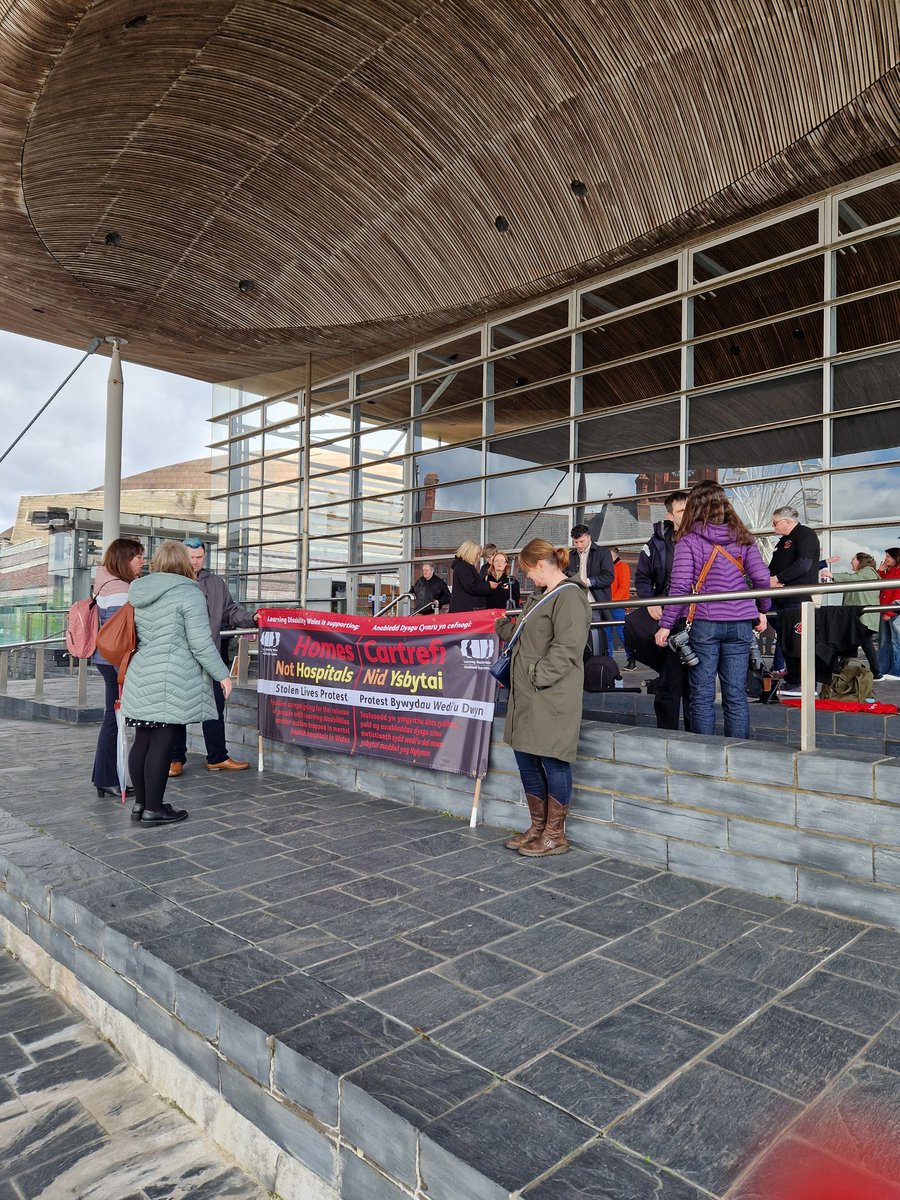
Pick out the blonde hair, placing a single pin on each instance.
(469, 552)
(171, 558)
(538, 550)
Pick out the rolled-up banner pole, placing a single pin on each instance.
(259, 760)
(473, 820)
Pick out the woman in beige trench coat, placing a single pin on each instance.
(543, 717)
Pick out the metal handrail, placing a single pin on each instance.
(807, 688)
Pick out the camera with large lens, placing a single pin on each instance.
(756, 659)
(680, 644)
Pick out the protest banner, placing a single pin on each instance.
(413, 689)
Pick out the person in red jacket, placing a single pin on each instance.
(889, 639)
(619, 590)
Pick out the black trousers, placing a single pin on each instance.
(785, 621)
(673, 692)
(104, 774)
(213, 733)
(148, 762)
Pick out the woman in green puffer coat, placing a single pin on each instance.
(168, 679)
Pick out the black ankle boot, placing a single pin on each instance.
(137, 811)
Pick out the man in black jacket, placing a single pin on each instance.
(593, 567)
(428, 590)
(654, 570)
(795, 561)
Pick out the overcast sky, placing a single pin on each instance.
(165, 420)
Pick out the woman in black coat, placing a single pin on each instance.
(470, 591)
(507, 585)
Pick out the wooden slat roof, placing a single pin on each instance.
(350, 157)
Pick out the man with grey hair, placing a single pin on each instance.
(795, 561)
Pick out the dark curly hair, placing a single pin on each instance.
(707, 504)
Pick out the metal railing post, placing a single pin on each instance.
(81, 696)
(4, 671)
(39, 672)
(807, 675)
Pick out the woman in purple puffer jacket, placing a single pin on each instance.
(721, 634)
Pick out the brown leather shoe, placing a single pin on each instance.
(175, 769)
(537, 808)
(227, 764)
(553, 839)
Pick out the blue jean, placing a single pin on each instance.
(614, 631)
(543, 776)
(889, 647)
(723, 648)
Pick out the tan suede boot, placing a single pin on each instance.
(553, 839)
(538, 810)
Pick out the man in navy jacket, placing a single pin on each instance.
(592, 566)
(654, 569)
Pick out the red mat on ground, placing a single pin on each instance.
(880, 710)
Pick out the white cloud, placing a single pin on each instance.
(165, 420)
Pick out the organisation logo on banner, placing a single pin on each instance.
(414, 689)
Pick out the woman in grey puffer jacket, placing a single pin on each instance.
(168, 679)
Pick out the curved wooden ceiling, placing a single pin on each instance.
(350, 157)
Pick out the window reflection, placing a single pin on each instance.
(756, 404)
(759, 246)
(867, 381)
(511, 531)
(635, 289)
(456, 387)
(866, 438)
(448, 353)
(777, 451)
(633, 335)
(756, 492)
(766, 348)
(457, 462)
(868, 264)
(644, 472)
(869, 208)
(441, 538)
(547, 403)
(866, 496)
(531, 366)
(528, 449)
(530, 325)
(631, 427)
(870, 322)
(527, 490)
(771, 294)
(870, 539)
(642, 380)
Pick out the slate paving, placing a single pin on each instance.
(572, 1026)
(77, 1122)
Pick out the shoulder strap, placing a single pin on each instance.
(698, 586)
(521, 624)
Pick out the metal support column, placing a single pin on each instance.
(112, 470)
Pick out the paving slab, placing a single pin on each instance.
(433, 996)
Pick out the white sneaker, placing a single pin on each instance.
(790, 693)
(891, 677)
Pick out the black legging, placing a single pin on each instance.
(148, 761)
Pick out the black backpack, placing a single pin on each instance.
(600, 673)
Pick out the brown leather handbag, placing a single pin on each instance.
(117, 639)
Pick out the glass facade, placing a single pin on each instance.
(767, 358)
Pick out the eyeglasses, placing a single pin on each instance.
(193, 543)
